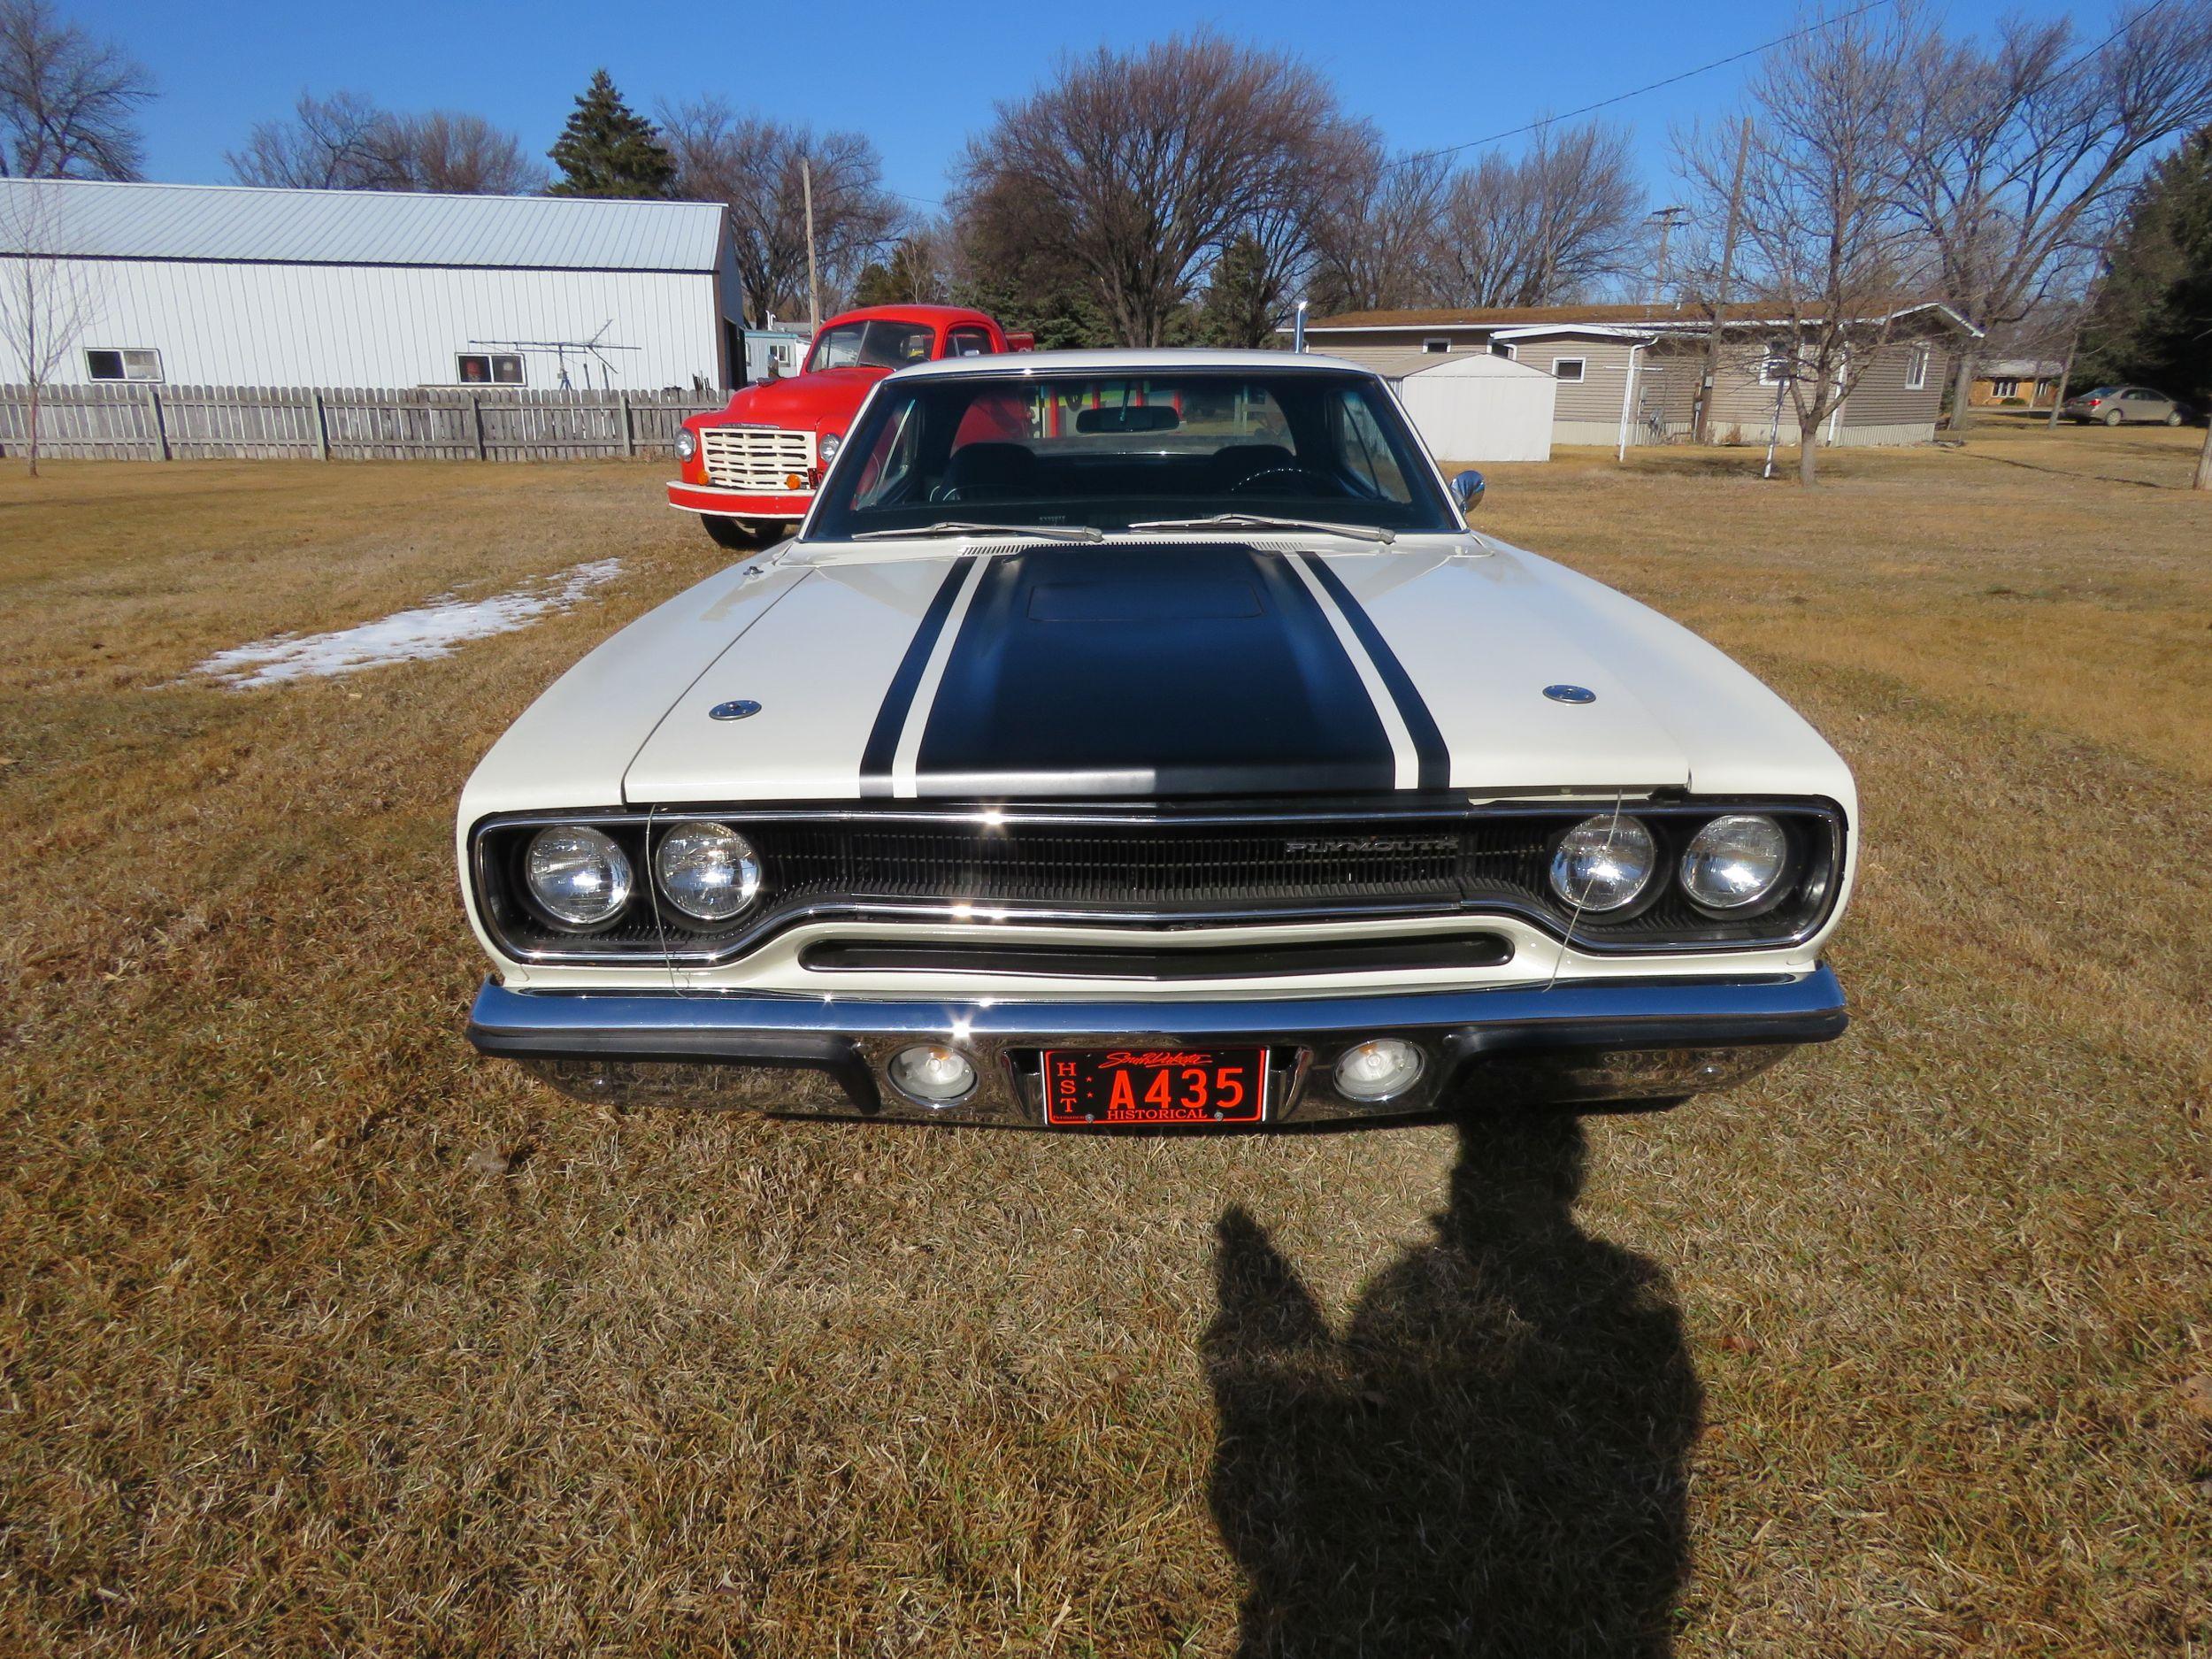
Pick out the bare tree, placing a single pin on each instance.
(346, 142)
(455, 153)
(1822, 232)
(2019, 156)
(1376, 234)
(1148, 164)
(68, 103)
(334, 143)
(45, 300)
(753, 164)
(1546, 227)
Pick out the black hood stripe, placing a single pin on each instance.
(1434, 755)
(1203, 669)
(898, 701)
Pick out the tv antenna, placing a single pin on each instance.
(587, 352)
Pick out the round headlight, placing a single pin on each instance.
(1735, 861)
(1603, 864)
(708, 871)
(686, 444)
(577, 874)
(826, 449)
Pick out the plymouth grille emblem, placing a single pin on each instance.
(1384, 844)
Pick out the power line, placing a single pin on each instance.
(1688, 74)
(1623, 97)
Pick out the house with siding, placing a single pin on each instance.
(1630, 374)
(2017, 382)
(235, 286)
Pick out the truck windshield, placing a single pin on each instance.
(876, 344)
(1108, 451)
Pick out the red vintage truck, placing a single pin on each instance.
(751, 469)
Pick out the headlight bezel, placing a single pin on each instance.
(686, 444)
(825, 446)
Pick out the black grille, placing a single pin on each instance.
(1151, 867)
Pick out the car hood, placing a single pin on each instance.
(829, 397)
(1212, 668)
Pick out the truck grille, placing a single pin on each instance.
(757, 458)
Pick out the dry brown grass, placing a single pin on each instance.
(1886, 1354)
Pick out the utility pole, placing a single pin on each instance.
(1667, 218)
(813, 278)
(1720, 290)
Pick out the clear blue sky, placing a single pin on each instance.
(918, 79)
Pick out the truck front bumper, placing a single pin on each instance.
(1580, 1043)
(737, 503)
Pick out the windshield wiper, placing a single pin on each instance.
(1256, 521)
(955, 527)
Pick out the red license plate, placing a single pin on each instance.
(1155, 1086)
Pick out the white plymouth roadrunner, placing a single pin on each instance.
(1144, 738)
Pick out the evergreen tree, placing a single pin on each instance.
(1240, 297)
(2153, 317)
(608, 149)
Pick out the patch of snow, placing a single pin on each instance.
(406, 636)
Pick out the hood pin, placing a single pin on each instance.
(737, 708)
(1571, 694)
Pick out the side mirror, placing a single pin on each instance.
(1468, 486)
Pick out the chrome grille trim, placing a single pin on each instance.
(757, 458)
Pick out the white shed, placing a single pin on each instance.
(230, 286)
(1472, 406)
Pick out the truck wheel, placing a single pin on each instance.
(733, 533)
(764, 530)
(2111, 416)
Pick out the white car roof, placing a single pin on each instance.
(1130, 360)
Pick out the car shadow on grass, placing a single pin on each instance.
(1491, 1458)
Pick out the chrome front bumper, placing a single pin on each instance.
(1574, 1044)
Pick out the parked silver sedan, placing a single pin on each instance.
(2115, 406)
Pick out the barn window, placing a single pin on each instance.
(488, 368)
(1917, 370)
(1436, 343)
(1567, 368)
(128, 363)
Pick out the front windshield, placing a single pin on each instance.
(1106, 452)
(873, 344)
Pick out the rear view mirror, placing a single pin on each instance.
(1468, 488)
(1137, 417)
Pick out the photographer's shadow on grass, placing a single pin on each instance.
(1490, 1458)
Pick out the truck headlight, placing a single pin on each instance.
(686, 444)
(577, 874)
(708, 871)
(1603, 864)
(1735, 861)
(827, 449)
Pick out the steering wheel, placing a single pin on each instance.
(1318, 481)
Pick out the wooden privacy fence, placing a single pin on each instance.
(161, 422)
